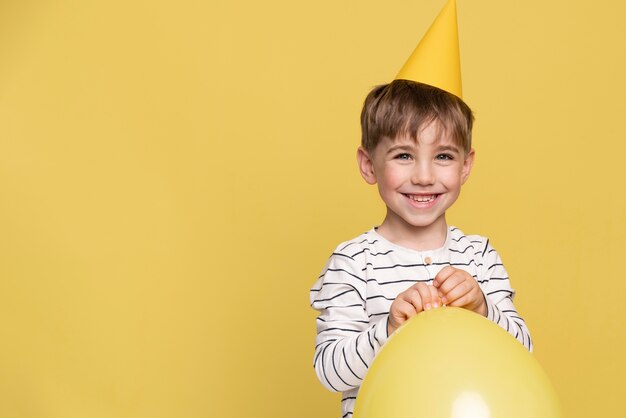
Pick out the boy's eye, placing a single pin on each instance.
(444, 157)
(403, 156)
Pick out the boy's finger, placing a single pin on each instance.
(410, 295)
(413, 296)
(450, 283)
(461, 301)
(400, 312)
(425, 295)
(452, 296)
(443, 275)
(403, 310)
(416, 299)
(434, 297)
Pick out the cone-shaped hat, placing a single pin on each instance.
(436, 59)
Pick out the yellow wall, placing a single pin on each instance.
(173, 176)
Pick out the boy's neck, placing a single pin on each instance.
(419, 238)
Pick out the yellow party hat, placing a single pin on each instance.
(436, 60)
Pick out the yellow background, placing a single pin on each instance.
(173, 176)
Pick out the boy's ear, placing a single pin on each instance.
(366, 166)
(468, 163)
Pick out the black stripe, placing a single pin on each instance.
(336, 296)
(345, 271)
(338, 329)
(324, 370)
(343, 306)
(335, 367)
(486, 246)
(360, 252)
(398, 265)
(493, 265)
(460, 252)
(408, 266)
(377, 254)
(360, 242)
(343, 284)
(377, 340)
(348, 398)
(405, 281)
(369, 338)
(372, 254)
(343, 350)
(342, 255)
(325, 341)
(357, 350)
(320, 351)
(523, 335)
(380, 296)
(498, 291)
(463, 264)
(338, 320)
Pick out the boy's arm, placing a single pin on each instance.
(347, 340)
(494, 281)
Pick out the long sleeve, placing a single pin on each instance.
(347, 337)
(499, 295)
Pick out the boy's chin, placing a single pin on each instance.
(416, 223)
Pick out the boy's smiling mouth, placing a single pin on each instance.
(421, 198)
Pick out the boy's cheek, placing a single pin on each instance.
(393, 176)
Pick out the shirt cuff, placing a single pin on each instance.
(492, 311)
(381, 331)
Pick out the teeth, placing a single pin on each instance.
(422, 198)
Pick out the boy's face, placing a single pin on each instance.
(417, 180)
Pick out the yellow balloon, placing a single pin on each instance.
(453, 363)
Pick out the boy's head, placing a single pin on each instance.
(416, 146)
(403, 108)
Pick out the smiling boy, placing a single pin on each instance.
(419, 158)
(416, 146)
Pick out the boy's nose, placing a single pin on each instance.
(423, 175)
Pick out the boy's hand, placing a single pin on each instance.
(458, 288)
(417, 298)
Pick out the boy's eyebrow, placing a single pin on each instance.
(409, 147)
(452, 148)
(399, 147)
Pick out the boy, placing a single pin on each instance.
(416, 146)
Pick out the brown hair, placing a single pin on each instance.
(403, 107)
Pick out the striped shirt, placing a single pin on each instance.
(363, 277)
